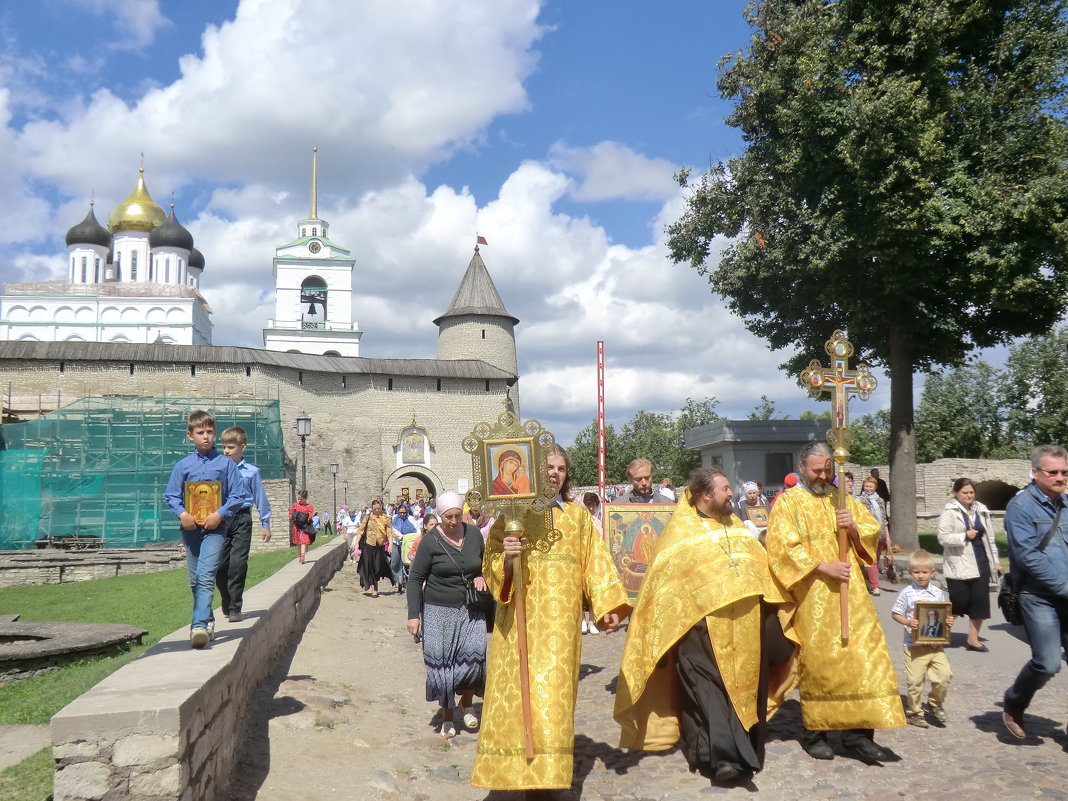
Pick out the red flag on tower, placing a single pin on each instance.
(481, 241)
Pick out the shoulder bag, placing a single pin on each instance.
(1009, 594)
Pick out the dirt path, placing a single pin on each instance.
(343, 712)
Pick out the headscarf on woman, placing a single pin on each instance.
(447, 501)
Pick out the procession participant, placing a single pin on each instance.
(574, 567)
(705, 659)
(640, 476)
(1037, 529)
(848, 686)
(881, 489)
(371, 541)
(751, 498)
(402, 525)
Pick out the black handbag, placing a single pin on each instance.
(1009, 601)
(1009, 593)
(891, 567)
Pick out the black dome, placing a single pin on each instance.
(170, 234)
(196, 259)
(89, 232)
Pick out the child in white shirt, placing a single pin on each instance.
(922, 661)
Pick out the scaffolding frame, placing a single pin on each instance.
(98, 467)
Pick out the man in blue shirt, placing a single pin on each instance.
(1037, 530)
(203, 527)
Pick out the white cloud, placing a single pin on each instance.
(612, 171)
(382, 91)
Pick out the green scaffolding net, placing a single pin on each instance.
(98, 467)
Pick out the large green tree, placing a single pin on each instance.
(1036, 390)
(904, 178)
(656, 436)
(961, 414)
(871, 443)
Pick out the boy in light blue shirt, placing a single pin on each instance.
(233, 564)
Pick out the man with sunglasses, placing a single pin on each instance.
(1036, 524)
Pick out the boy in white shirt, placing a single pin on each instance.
(922, 661)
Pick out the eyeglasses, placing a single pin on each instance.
(1052, 473)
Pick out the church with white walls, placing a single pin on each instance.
(138, 281)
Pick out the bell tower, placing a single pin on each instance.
(313, 290)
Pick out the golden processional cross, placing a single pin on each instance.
(841, 382)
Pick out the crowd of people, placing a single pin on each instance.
(732, 614)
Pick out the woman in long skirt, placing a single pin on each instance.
(374, 536)
(454, 635)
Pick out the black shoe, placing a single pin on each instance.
(234, 617)
(980, 647)
(819, 750)
(728, 772)
(867, 749)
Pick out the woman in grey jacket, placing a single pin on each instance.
(970, 557)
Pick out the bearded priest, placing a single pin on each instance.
(849, 685)
(706, 661)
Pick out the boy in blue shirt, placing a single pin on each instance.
(203, 525)
(233, 564)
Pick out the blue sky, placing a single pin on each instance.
(552, 129)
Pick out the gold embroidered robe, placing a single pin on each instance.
(849, 686)
(577, 565)
(691, 577)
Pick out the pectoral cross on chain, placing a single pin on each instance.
(838, 379)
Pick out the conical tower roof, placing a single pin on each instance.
(89, 232)
(476, 294)
(139, 212)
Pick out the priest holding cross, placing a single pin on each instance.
(818, 538)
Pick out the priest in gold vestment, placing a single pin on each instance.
(575, 566)
(706, 661)
(847, 686)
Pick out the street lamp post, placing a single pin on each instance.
(333, 509)
(303, 431)
(345, 488)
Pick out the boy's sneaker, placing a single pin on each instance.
(199, 637)
(938, 712)
(211, 629)
(917, 721)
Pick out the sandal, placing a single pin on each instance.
(470, 718)
(448, 730)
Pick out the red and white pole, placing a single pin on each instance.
(600, 421)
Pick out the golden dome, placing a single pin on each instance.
(139, 212)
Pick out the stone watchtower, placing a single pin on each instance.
(477, 326)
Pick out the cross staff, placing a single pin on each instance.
(841, 382)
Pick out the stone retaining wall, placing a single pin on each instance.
(23, 568)
(164, 725)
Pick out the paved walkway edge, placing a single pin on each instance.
(163, 726)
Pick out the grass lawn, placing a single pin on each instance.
(157, 602)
